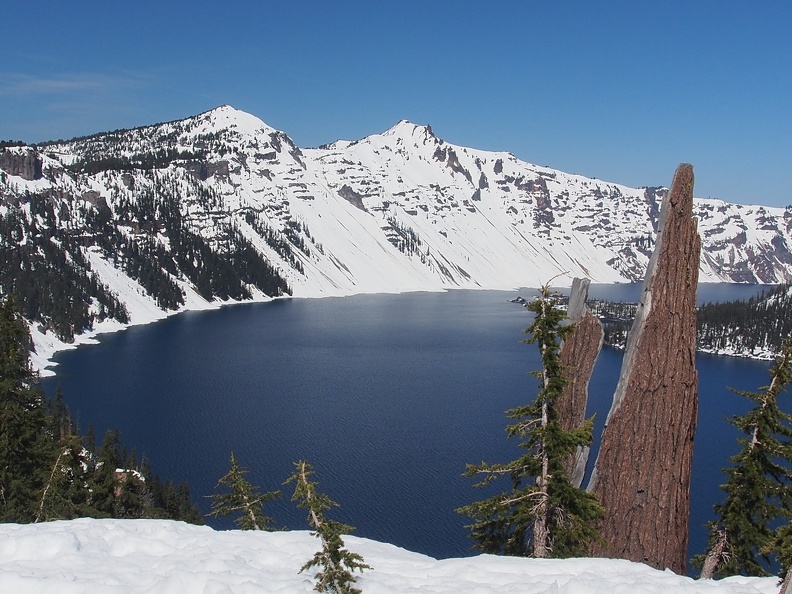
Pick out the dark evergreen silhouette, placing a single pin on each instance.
(404, 238)
(48, 275)
(542, 514)
(26, 452)
(160, 159)
(760, 323)
(337, 563)
(44, 263)
(752, 326)
(47, 471)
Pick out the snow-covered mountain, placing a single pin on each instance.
(397, 211)
(146, 556)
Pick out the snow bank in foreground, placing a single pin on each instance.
(148, 556)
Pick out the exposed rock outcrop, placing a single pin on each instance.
(354, 198)
(642, 473)
(99, 202)
(203, 170)
(25, 163)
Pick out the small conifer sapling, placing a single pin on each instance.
(543, 514)
(336, 562)
(244, 499)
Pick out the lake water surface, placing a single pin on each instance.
(388, 396)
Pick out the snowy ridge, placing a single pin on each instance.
(392, 212)
(157, 556)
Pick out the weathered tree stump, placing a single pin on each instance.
(642, 473)
(786, 585)
(578, 355)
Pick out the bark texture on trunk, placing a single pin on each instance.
(578, 355)
(713, 558)
(642, 473)
(786, 585)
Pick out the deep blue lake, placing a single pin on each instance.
(388, 396)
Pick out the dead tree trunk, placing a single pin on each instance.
(541, 533)
(642, 473)
(786, 585)
(578, 355)
(713, 558)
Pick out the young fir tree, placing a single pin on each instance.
(759, 485)
(243, 498)
(337, 563)
(543, 514)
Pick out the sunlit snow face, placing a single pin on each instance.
(142, 556)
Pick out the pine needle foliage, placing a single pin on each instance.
(543, 514)
(26, 453)
(336, 562)
(47, 471)
(758, 486)
(782, 545)
(243, 499)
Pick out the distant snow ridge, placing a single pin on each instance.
(483, 219)
(392, 212)
(164, 557)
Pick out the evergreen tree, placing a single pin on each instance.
(45, 472)
(782, 545)
(759, 324)
(90, 439)
(759, 485)
(543, 514)
(65, 496)
(336, 562)
(26, 452)
(173, 502)
(243, 498)
(62, 426)
(102, 482)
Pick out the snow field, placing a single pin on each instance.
(166, 557)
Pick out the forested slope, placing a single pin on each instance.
(754, 327)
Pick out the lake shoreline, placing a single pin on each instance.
(46, 346)
(389, 396)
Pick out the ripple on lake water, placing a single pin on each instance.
(388, 396)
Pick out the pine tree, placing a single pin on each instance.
(26, 451)
(65, 496)
(103, 483)
(244, 498)
(759, 484)
(337, 563)
(543, 514)
(45, 472)
(782, 545)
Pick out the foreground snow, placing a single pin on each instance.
(147, 556)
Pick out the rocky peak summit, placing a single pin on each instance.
(404, 129)
(226, 117)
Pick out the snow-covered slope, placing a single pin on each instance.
(155, 556)
(397, 211)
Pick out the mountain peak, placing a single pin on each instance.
(226, 116)
(406, 129)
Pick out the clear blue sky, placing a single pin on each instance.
(622, 91)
